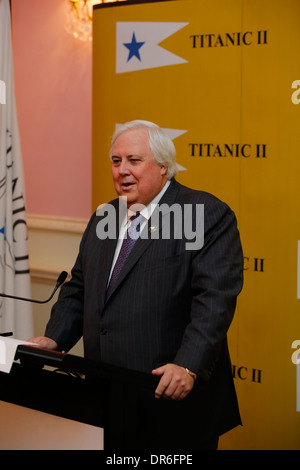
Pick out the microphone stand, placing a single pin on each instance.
(60, 280)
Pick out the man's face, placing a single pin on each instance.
(135, 174)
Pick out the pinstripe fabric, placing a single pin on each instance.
(168, 304)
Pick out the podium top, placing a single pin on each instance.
(93, 369)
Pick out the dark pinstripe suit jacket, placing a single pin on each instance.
(169, 305)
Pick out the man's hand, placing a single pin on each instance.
(44, 342)
(175, 383)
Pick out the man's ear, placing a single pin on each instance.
(163, 170)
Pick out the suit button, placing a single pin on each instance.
(103, 331)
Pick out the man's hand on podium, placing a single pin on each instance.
(44, 342)
(175, 383)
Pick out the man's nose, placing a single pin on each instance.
(124, 168)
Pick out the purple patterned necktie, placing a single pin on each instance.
(132, 234)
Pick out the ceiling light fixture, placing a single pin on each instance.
(80, 18)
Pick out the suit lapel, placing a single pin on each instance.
(105, 262)
(108, 247)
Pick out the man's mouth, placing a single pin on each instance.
(127, 185)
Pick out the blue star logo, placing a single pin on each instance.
(2, 230)
(133, 47)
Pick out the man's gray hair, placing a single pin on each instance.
(161, 145)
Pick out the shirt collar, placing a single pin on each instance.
(147, 211)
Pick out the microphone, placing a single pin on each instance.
(60, 280)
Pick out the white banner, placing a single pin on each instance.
(15, 316)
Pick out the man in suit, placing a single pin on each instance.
(172, 302)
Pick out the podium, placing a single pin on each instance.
(75, 388)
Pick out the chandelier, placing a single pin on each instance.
(80, 18)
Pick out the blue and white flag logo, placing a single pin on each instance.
(137, 45)
(173, 133)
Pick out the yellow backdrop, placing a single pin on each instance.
(222, 76)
